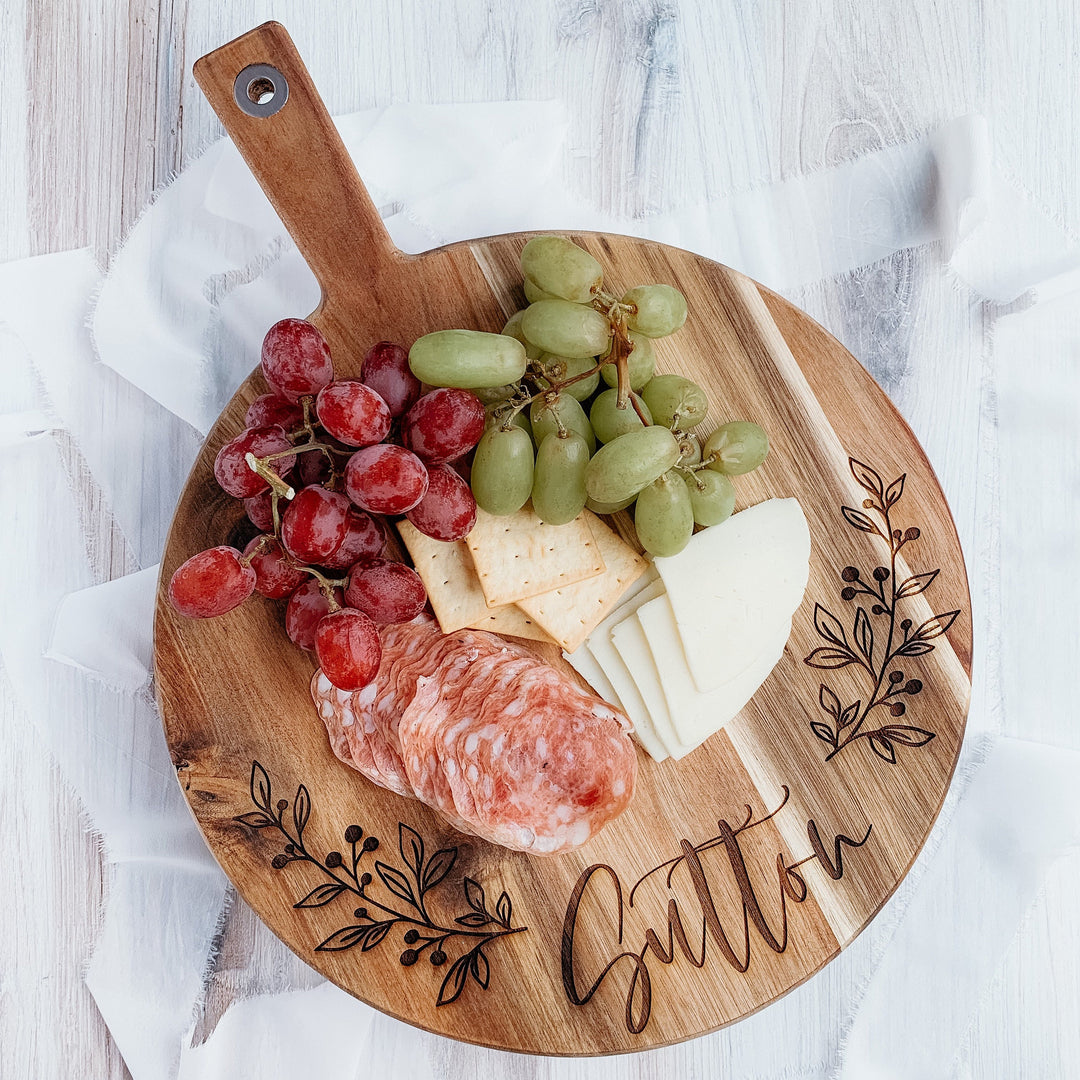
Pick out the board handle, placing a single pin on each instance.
(264, 95)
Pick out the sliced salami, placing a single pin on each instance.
(354, 734)
(543, 766)
(503, 745)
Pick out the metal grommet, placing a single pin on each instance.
(261, 90)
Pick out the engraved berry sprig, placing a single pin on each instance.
(902, 639)
(409, 890)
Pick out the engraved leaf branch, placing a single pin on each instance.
(895, 641)
(409, 888)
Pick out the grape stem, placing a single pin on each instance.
(307, 429)
(556, 386)
(258, 549)
(301, 450)
(326, 585)
(277, 485)
(621, 348)
(690, 471)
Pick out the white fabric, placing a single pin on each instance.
(180, 316)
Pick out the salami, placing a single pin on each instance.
(531, 761)
(354, 736)
(503, 745)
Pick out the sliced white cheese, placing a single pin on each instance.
(696, 716)
(584, 663)
(734, 585)
(633, 704)
(646, 588)
(606, 656)
(629, 641)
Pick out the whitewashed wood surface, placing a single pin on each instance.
(671, 101)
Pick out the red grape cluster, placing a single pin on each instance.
(358, 450)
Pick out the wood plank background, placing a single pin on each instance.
(671, 101)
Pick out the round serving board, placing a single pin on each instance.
(737, 872)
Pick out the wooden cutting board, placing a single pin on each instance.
(738, 872)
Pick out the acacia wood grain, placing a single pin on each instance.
(233, 692)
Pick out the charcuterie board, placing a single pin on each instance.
(738, 871)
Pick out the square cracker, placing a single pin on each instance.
(510, 619)
(453, 588)
(518, 556)
(447, 573)
(571, 612)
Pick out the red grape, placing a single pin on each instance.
(314, 524)
(388, 592)
(296, 359)
(211, 583)
(448, 510)
(385, 479)
(306, 607)
(260, 511)
(269, 409)
(232, 470)
(313, 467)
(275, 576)
(386, 371)
(348, 647)
(443, 425)
(364, 539)
(353, 413)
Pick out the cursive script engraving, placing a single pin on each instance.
(733, 943)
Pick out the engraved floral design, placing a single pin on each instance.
(902, 639)
(409, 888)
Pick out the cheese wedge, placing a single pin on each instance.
(734, 585)
(696, 716)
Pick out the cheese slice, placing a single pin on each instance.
(734, 585)
(696, 716)
(584, 663)
(610, 663)
(633, 649)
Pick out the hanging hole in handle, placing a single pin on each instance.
(261, 90)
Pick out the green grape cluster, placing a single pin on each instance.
(578, 417)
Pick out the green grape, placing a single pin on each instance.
(622, 467)
(558, 492)
(495, 395)
(675, 402)
(467, 359)
(502, 470)
(546, 414)
(664, 516)
(513, 329)
(565, 328)
(608, 508)
(689, 448)
(569, 367)
(533, 293)
(641, 363)
(609, 421)
(658, 310)
(561, 268)
(712, 496)
(737, 447)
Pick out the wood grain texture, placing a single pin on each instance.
(756, 94)
(233, 693)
